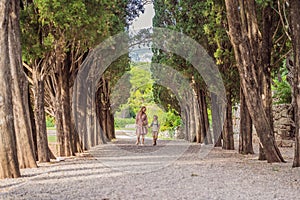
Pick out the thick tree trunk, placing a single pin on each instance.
(245, 138)
(205, 118)
(59, 115)
(295, 25)
(63, 111)
(106, 122)
(80, 112)
(110, 125)
(101, 133)
(205, 135)
(262, 154)
(40, 121)
(192, 122)
(109, 122)
(9, 166)
(228, 141)
(200, 135)
(246, 44)
(66, 111)
(185, 134)
(78, 148)
(33, 127)
(264, 69)
(26, 155)
(216, 120)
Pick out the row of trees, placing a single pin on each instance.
(56, 37)
(249, 41)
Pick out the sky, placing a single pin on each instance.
(143, 21)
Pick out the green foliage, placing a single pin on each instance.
(165, 98)
(141, 90)
(122, 122)
(282, 92)
(209, 116)
(173, 120)
(50, 121)
(72, 25)
(141, 94)
(264, 2)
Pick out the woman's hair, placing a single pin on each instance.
(141, 111)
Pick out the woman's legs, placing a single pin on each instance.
(143, 139)
(137, 139)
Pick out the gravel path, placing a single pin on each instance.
(121, 170)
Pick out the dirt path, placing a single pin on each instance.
(171, 170)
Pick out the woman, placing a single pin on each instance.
(141, 125)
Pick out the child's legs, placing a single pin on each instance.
(155, 135)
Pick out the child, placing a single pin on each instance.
(155, 128)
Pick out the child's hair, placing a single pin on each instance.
(155, 116)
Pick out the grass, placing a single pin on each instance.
(129, 129)
(51, 138)
(165, 138)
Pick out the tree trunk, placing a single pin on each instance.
(63, 110)
(245, 139)
(109, 121)
(102, 136)
(66, 111)
(264, 69)
(110, 125)
(200, 135)
(59, 115)
(228, 141)
(105, 114)
(9, 166)
(245, 41)
(205, 118)
(295, 26)
(185, 119)
(26, 155)
(79, 109)
(40, 120)
(33, 127)
(216, 120)
(192, 123)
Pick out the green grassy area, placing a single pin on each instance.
(129, 129)
(149, 135)
(122, 122)
(51, 138)
(165, 138)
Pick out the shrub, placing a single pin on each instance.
(50, 122)
(122, 122)
(282, 92)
